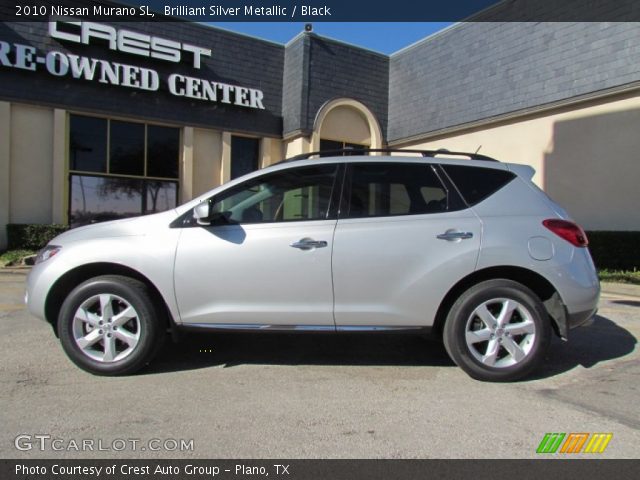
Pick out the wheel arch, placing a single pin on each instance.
(71, 279)
(547, 293)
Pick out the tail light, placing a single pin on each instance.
(571, 232)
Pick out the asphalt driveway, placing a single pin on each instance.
(323, 396)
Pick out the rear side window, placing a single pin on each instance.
(389, 189)
(476, 183)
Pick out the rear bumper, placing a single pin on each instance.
(579, 319)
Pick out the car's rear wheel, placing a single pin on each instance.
(498, 330)
(108, 325)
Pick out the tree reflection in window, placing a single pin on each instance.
(97, 199)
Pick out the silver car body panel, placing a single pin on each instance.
(251, 274)
(145, 244)
(395, 270)
(511, 218)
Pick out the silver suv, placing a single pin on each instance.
(469, 249)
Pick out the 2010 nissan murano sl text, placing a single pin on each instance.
(469, 249)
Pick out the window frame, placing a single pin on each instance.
(70, 172)
(108, 148)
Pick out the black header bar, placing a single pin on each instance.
(325, 10)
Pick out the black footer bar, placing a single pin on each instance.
(279, 469)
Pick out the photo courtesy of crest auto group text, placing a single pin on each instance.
(317, 240)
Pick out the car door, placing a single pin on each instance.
(265, 261)
(403, 239)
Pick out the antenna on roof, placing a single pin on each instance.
(479, 147)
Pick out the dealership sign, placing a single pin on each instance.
(61, 64)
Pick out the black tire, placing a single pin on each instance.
(463, 314)
(147, 325)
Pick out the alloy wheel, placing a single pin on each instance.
(106, 328)
(500, 332)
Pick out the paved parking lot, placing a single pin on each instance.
(287, 396)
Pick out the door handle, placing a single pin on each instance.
(453, 235)
(308, 244)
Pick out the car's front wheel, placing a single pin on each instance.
(498, 330)
(108, 325)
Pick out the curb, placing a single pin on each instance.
(15, 271)
(620, 289)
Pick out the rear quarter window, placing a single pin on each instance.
(477, 183)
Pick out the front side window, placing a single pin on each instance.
(389, 189)
(295, 194)
(120, 169)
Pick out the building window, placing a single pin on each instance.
(120, 169)
(88, 144)
(356, 148)
(245, 155)
(126, 148)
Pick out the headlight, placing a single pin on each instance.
(46, 253)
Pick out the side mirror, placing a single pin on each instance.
(202, 214)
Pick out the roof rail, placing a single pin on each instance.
(364, 151)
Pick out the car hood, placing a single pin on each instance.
(126, 227)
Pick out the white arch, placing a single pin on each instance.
(372, 122)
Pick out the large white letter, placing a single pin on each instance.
(179, 91)
(61, 68)
(132, 42)
(164, 49)
(5, 48)
(197, 52)
(97, 30)
(82, 67)
(55, 33)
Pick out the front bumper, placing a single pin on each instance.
(39, 282)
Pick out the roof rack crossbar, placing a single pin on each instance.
(363, 151)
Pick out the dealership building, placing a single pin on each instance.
(101, 120)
